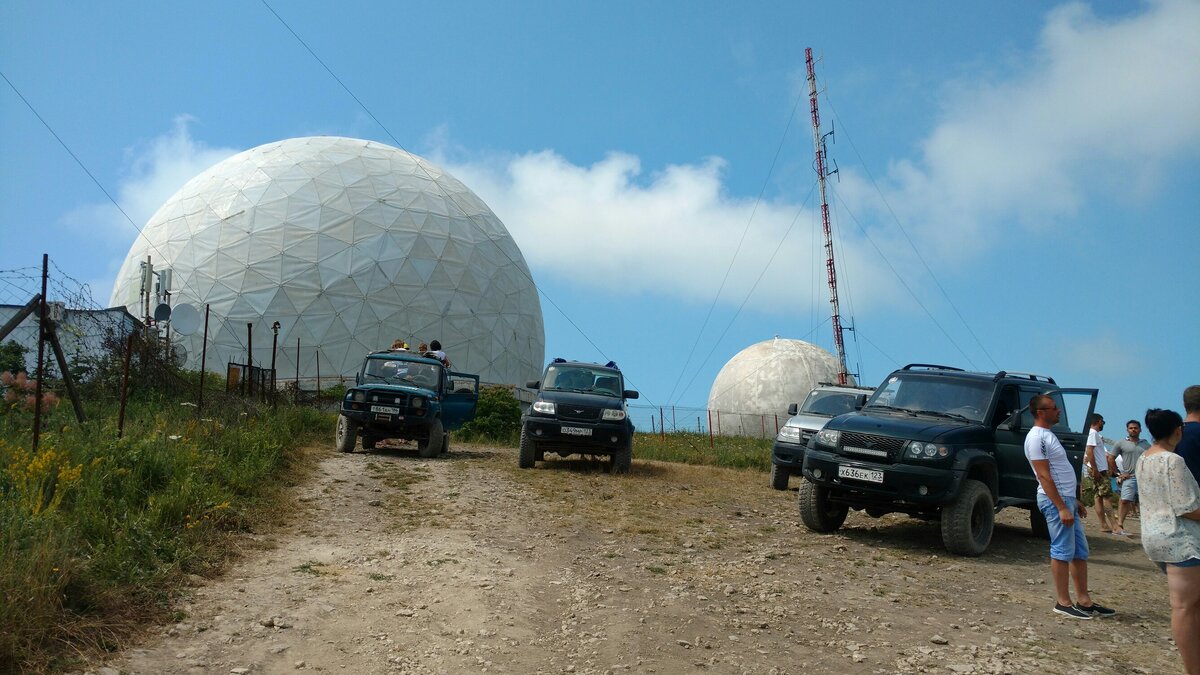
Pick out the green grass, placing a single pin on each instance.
(98, 533)
(691, 448)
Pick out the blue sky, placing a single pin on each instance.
(1044, 159)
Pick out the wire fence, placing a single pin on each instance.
(712, 421)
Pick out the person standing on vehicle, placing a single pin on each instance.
(1095, 459)
(436, 348)
(1189, 446)
(1129, 449)
(1058, 500)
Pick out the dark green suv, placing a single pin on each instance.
(580, 409)
(398, 394)
(939, 443)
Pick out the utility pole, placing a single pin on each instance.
(819, 145)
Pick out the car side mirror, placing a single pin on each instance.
(860, 401)
(533, 384)
(629, 393)
(793, 409)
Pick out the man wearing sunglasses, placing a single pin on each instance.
(1058, 500)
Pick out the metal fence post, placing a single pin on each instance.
(124, 386)
(41, 374)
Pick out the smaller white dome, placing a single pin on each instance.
(755, 388)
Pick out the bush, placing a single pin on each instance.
(497, 417)
(12, 357)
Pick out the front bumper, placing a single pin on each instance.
(582, 437)
(901, 483)
(406, 424)
(788, 455)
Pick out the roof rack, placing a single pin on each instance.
(847, 386)
(1028, 376)
(931, 366)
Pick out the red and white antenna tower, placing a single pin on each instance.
(819, 144)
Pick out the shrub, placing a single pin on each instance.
(497, 417)
(12, 357)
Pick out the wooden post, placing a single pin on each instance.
(662, 426)
(317, 358)
(25, 311)
(37, 393)
(203, 360)
(249, 359)
(711, 442)
(274, 344)
(124, 386)
(66, 372)
(718, 420)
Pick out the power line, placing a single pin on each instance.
(446, 194)
(753, 211)
(907, 238)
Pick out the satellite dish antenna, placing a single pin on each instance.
(162, 312)
(185, 319)
(179, 354)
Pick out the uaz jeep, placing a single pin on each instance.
(580, 408)
(398, 394)
(939, 443)
(823, 403)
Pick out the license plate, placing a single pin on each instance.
(869, 475)
(385, 409)
(576, 431)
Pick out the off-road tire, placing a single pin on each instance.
(779, 477)
(1037, 523)
(345, 435)
(817, 512)
(526, 454)
(432, 445)
(622, 459)
(967, 522)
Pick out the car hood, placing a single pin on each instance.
(379, 386)
(808, 421)
(918, 427)
(580, 399)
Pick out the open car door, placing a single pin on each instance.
(459, 397)
(1017, 480)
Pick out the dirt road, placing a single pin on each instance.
(465, 563)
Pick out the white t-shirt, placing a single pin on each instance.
(1098, 453)
(1043, 444)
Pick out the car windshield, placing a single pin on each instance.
(936, 396)
(595, 380)
(391, 371)
(828, 403)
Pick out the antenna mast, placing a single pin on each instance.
(819, 145)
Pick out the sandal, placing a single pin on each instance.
(1105, 531)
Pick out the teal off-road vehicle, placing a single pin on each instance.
(398, 394)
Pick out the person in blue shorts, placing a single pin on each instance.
(1058, 500)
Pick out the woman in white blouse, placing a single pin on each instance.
(1170, 501)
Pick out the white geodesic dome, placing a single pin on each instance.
(349, 245)
(755, 388)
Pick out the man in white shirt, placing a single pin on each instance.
(1096, 463)
(1058, 500)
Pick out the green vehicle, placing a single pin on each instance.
(398, 394)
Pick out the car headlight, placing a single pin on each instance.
(829, 437)
(920, 450)
(612, 414)
(418, 402)
(543, 407)
(360, 396)
(789, 434)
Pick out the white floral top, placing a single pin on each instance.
(1166, 489)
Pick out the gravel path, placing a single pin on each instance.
(395, 564)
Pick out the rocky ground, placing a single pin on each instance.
(395, 564)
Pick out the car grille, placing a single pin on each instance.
(879, 448)
(806, 436)
(578, 412)
(387, 399)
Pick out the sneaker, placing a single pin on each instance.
(1072, 611)
(1096, 609)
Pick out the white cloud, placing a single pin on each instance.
(1103, 355)
(672, 233)
(1102, 106)
(155, 171)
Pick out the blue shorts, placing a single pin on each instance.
(1066, 543)
(1129, 489)
(1190, 562)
